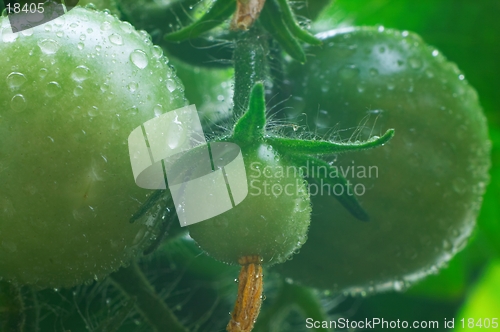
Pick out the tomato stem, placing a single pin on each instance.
(250, 66)
(247, 306)
(131, 281)
(12, 315)
(247, 12)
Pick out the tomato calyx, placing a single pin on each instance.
(250, 129)
(277, 18)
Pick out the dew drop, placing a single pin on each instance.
(8, 36)
(15, 80)
(80, 46)
(105, 26)
(78, 91)
(171, 86)
(126, 27)
(175, 135)
(139, 59)
(348, 72)
(48, 27)
(116, 39)
(158, 110)
(157, 51)
(461, 77)
(83, 37)
(373, 72)
(53, 89)
(18, 103)
(59, 34)
(43, 72)
(80, 74)
(48, 46)
(415, 63)
(435, 53)
(27, 32)
(132, 87)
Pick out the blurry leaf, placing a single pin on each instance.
(489, 219)
(483, 301)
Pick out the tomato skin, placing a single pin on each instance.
(71, 92)
(425, 196)
(263, 224)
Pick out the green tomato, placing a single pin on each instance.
(271, 222)
(71, 92)
(422, 190)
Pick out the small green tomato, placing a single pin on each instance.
(272, 220)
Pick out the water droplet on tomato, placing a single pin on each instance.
(373, 72)
(48, 46)
(116, 39)
(105, 26)
(15, 80)
(43, 72)
(139, 59)
(78, 91)
(80, 74)
(8, 36)
(158, 110)
(53, 89)
(415, 63)
(171, 86)
(18, 103)
(132, 86)
(27, 32)
(157, 51)
(348, 72)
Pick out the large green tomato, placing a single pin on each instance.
(71, 92)
(422, 190)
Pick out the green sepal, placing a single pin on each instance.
(148, 204)
(271, 19)
(294, 27)
(349, 202)
(316, 147)
(220, 11)
(250, 127)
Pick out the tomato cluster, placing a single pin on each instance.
(395, 208)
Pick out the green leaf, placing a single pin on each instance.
(219, 12)
(483, 302)
(250, 127)
(489, 218)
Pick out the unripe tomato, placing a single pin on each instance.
(71, 91)
(271, 222)
(422, 190)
